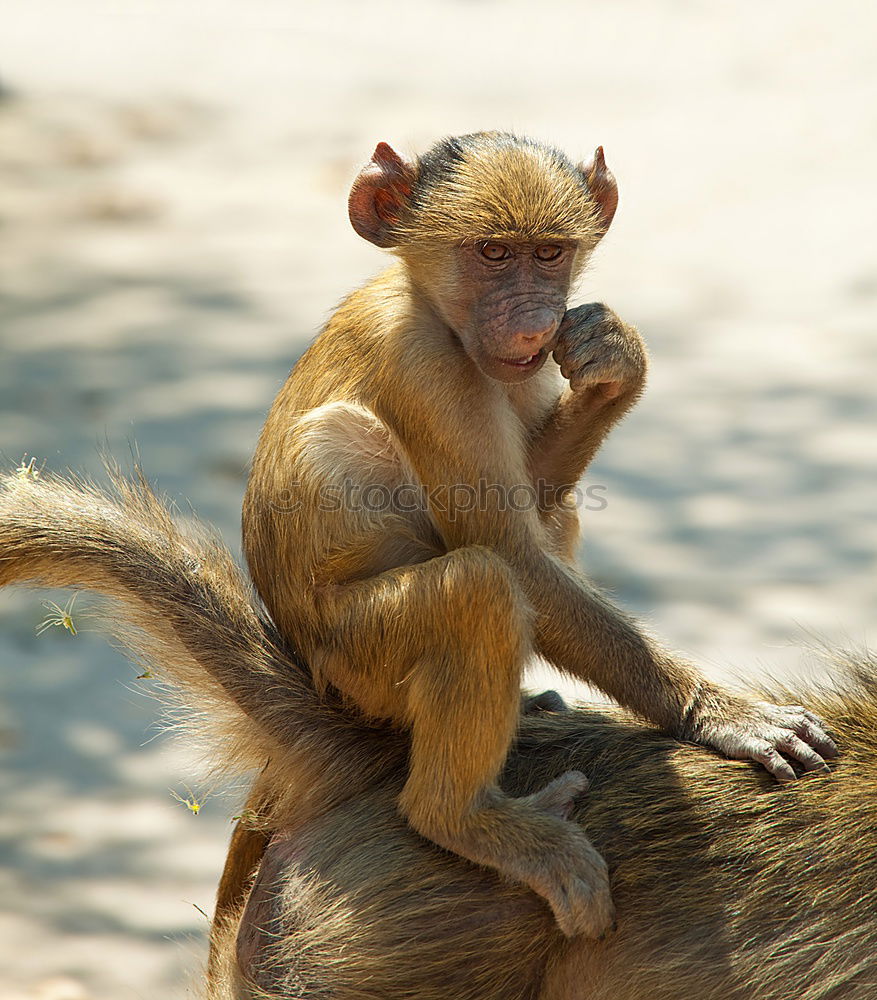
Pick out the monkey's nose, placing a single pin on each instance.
(530, 335)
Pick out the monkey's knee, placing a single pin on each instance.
(466, 686)
(483, 600)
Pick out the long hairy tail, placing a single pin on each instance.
(183, 606)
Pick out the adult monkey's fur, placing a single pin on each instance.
(728, 886)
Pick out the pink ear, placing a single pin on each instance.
(602, 188)
(380, 195)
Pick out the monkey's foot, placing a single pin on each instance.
(559, 796)
(577, 890)
(530, 840)
(548, 701)
(576, 880)
(565, 868)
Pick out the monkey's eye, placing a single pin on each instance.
(495, 251)
(548, 252)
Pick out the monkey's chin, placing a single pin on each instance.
(512, 370)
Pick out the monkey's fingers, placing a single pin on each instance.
(812, 732)
(765, 732)
(767, 748)
(770, 759)
(811, 729)
(761, 742)
(804, 724)
(796, 748)
(812, 716)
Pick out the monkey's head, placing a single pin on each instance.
(494, 230)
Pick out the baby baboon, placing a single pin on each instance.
(380, 525)
(728, 886)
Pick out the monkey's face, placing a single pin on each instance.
(503, 296)
(506, 303)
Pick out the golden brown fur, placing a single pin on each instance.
(728, 886)
(503, 187)
(419, 618)
(434, 383)
(188, 609)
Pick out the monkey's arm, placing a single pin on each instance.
(577, 427)
(605, 361)
(581, 632)
(577, 628)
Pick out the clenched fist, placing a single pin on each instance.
(597, 350)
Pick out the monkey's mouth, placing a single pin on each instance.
(523, 364)
(512, 369)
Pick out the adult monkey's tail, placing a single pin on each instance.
(188, 611)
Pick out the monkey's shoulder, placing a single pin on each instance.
(345, 356)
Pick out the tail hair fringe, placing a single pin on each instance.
(182, 605)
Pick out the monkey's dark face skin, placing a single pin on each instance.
(508, 302)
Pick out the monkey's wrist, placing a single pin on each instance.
(709, 707)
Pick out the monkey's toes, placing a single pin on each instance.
(581, 900)
(559, 797)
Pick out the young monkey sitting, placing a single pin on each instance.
(383, 522)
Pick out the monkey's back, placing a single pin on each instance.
(727, 885)
(319, 438)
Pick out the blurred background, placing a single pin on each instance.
(173, 231)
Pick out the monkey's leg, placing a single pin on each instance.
(440, 647)
(247, 848)
(244, 855)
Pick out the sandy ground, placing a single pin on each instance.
(172, 232)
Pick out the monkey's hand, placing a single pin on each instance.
(764, 733)
(596, 350)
